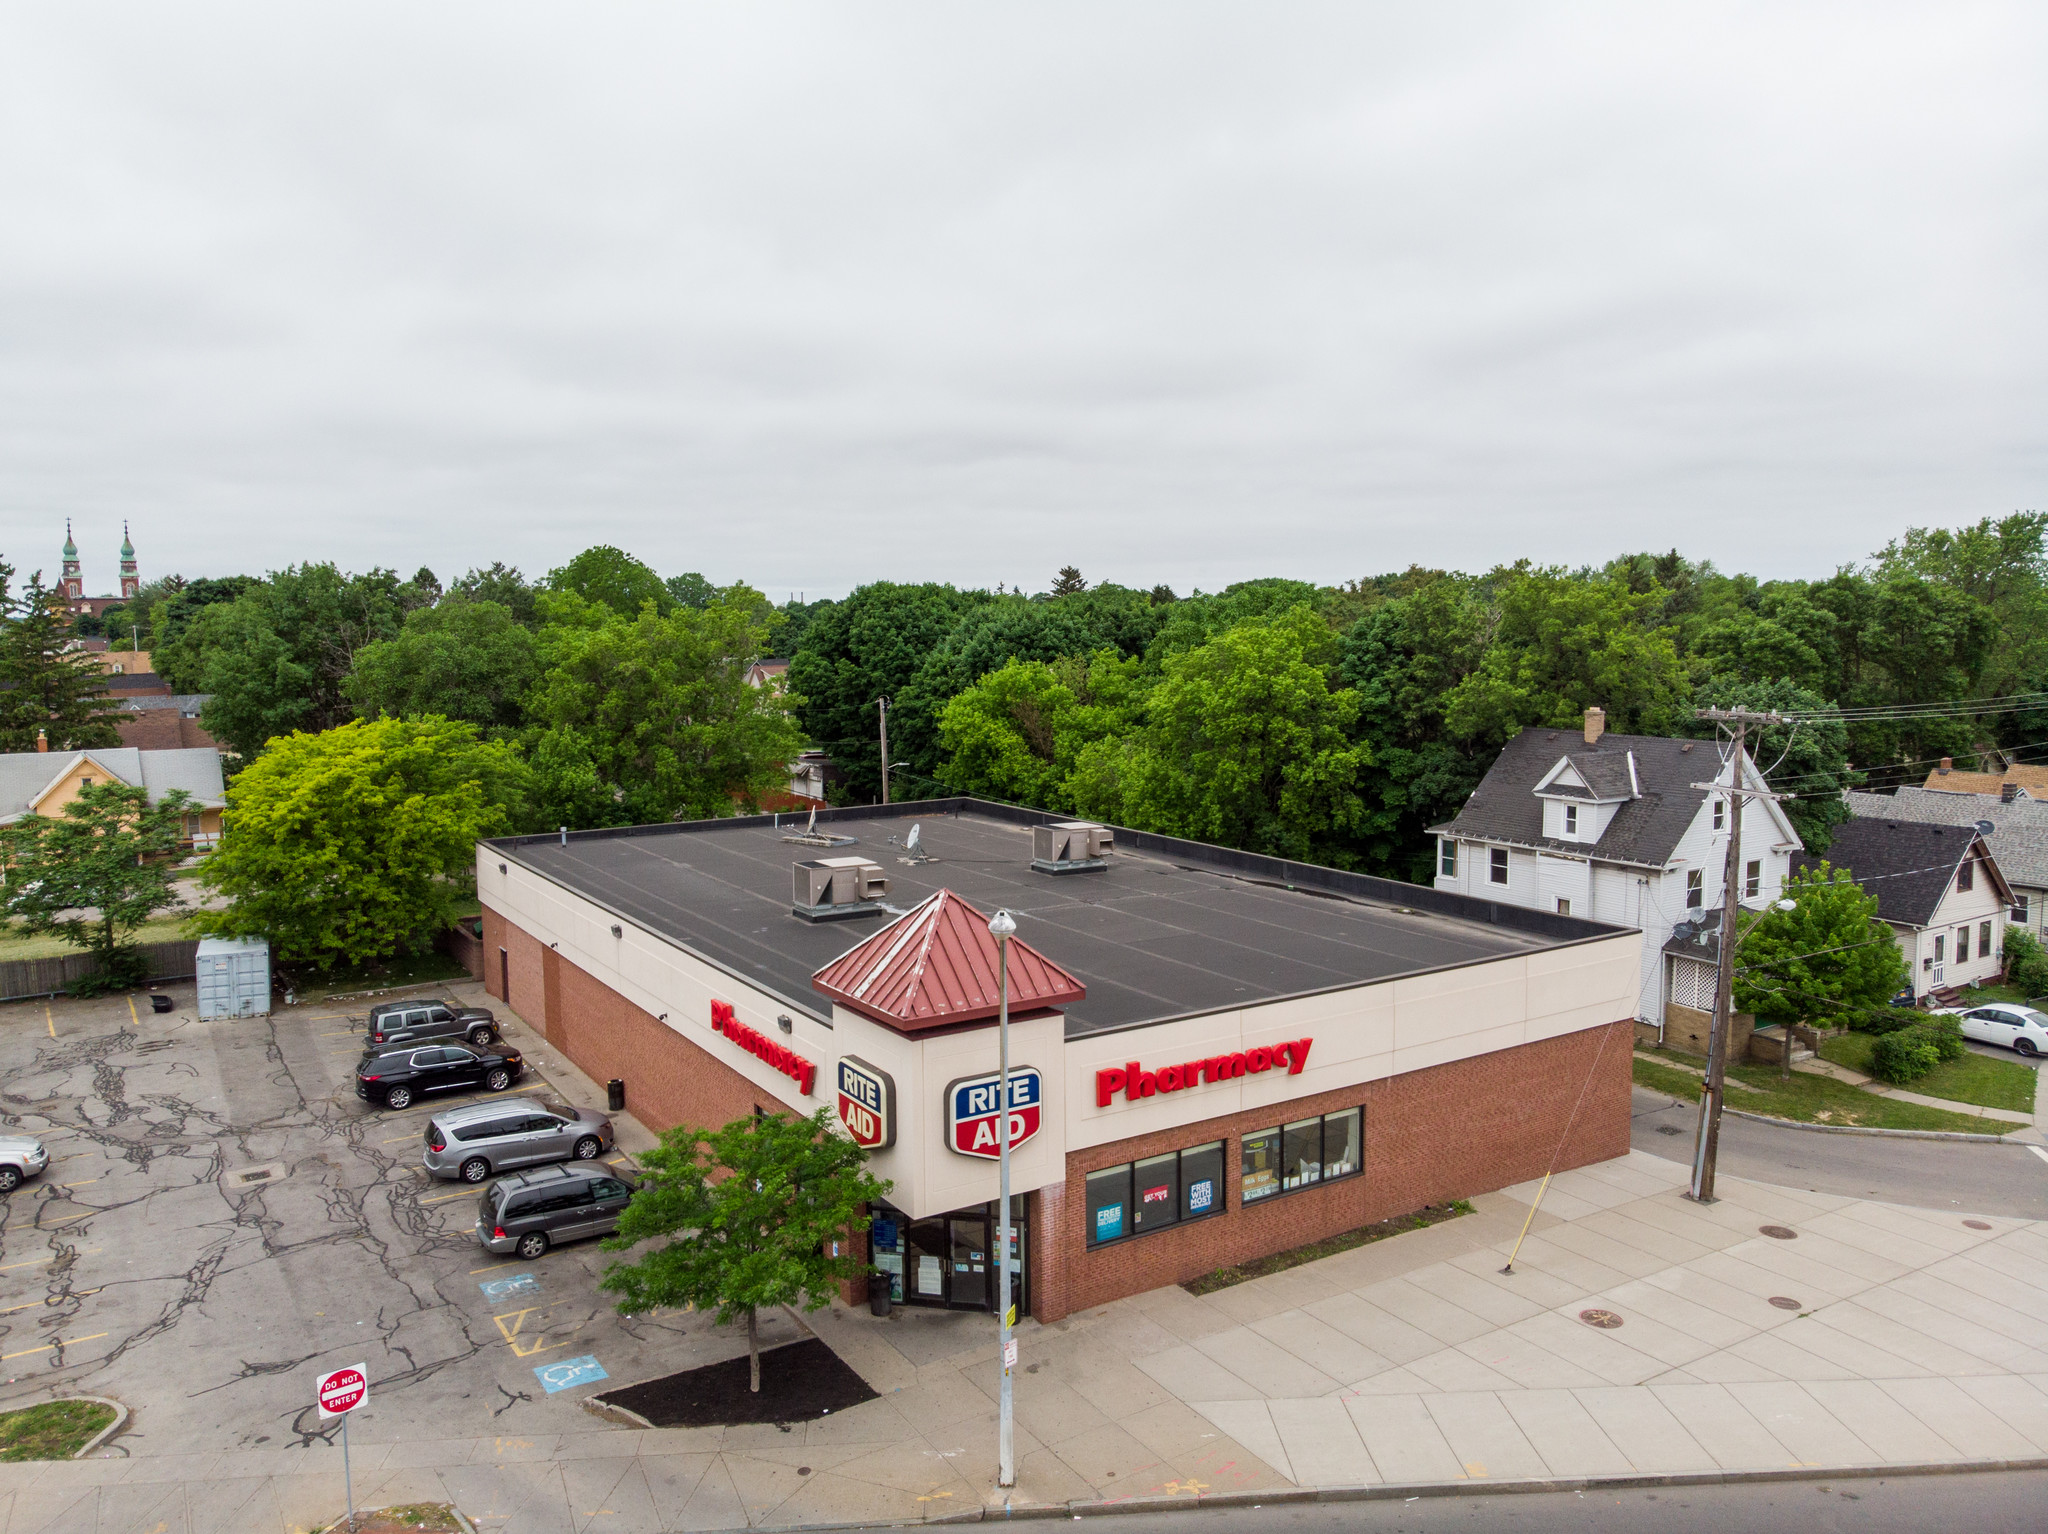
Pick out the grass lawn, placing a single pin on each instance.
(1980, 1079)
(406, 969)
(162, 929)
(1809, 1099)
(53, 1430)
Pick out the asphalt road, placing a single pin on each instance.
(2004, 1503)
(1930, 1174)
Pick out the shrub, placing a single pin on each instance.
(2026, 964)
(1946, 1035)
(1905, 1056)
(1884, 1020)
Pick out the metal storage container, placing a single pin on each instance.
(234, 977)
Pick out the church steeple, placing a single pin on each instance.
(131, 583)
(72, 583)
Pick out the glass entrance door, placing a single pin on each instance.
(926, 1258)
(973, 1267)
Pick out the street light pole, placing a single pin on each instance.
(1003, 926)
(883, 704)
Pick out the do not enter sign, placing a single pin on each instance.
(342, 1391)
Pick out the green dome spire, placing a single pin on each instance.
(127, 548)
(70, 548)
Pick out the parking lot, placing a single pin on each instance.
(222, 1218)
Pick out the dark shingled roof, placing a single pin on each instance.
(1645, 831)
(2019, 830)
(1908, 865)
(1606, 773)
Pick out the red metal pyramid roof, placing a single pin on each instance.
(936, 966)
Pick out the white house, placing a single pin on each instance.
(1621, 828)
(1940, 889)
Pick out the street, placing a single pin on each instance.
(1931, 1174)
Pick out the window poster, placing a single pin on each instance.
(1109, 1221)
(930, 1280)
(1201, 1195)
(891, 1263)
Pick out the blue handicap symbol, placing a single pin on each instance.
(570, 1372)
(506, 1288)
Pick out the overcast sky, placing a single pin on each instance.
(809, 296)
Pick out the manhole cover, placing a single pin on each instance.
(1606, 1320)
(1784, 1302)
(1779, 1232)
(1669, 1129)
(1978, 1224)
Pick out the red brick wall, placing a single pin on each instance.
(1430, 1136)
(523, 955)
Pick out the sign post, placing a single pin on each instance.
(339, 1392)
(1002, 926)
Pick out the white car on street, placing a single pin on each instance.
(20, 1156)
(2007, 1023)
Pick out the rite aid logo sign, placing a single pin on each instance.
(867, 1103)
(972, 1117)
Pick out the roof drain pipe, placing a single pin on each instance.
(565, 836)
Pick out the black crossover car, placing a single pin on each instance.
(394, 1023)
(395, 1077)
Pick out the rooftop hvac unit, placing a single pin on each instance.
(835, 889)
(1070, 846)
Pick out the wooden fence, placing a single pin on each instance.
(23, 978)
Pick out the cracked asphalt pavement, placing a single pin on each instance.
(223, 1218)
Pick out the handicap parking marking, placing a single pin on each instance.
(569, 1373)
(523, 1342)
(512, 1286)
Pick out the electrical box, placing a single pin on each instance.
(233, 976)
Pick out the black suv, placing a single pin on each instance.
(394, 1077)
(421, 1021)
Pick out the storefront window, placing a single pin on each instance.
(1301, 1159)
(1109, 1204)
(1154, 1193)
(1261, 1174)
(1302, 1154)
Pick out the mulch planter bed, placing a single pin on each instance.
(1294, 1257)
(800, 1382)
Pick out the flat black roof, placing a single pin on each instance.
(1171, 928)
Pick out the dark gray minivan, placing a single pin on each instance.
(528, 1212)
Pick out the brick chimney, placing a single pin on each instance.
(42, 741)
(1596, 724)
(1946, 764)
(2008, 792)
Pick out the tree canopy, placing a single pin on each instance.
(1829, 960)
(46, 687)
(352, 844)
(613, 577)
(461, 659)
(748, 1216)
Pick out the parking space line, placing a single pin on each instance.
(472, 1273)
(395, 1139)
(444, 1198)
(137, 1021)
(49, 1018)
(76, 1294)
(36, 1262)
(70, 1217)
(95, 1179)
(2043, 1154)
(51, 1347)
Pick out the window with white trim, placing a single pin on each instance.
(1695, 890)
(1720, 814)
(1497, 870)
(1752, 880)
(1447, 858)
(1571, 820)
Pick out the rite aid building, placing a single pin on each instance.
(1214, 1055)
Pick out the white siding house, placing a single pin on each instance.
(1620, 828)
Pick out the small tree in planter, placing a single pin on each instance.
(749, 1212)
(109, 852)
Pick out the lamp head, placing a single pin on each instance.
(1785, 905)
(1002, 926)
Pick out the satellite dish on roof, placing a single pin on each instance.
(910, 846)
(1985, 828)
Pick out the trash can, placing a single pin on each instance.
(160, 1003)
(878, 1294)
(615, 1095)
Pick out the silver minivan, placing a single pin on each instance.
(479, 1140)
(528, 1212)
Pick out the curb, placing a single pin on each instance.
(120, 1421)
(1896, 1134)
(1282, 1495)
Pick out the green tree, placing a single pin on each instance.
(275, 658)
(45, 686)
(1068, 582)
(868, 646)
(354, 843)
(659, 706)
(1245, 743)
(1560, 644)
(110, 852)
(504, 585)
(615, 578)
(1405, 658)
(1829, 960)
(1195, 619)
(690, 590)
(1019, 735)
(748, 1216)
(173, 613)
(460, 659)
(1809, 759)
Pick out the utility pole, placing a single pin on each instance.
(883, 704)
(1003, 926)
(1707, 1148)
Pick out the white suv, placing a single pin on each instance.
(20, 1156)
(2007, 1023)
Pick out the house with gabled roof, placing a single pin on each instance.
(2015, 828)
(1937, 887)
(43, 782)
(1620, 828)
